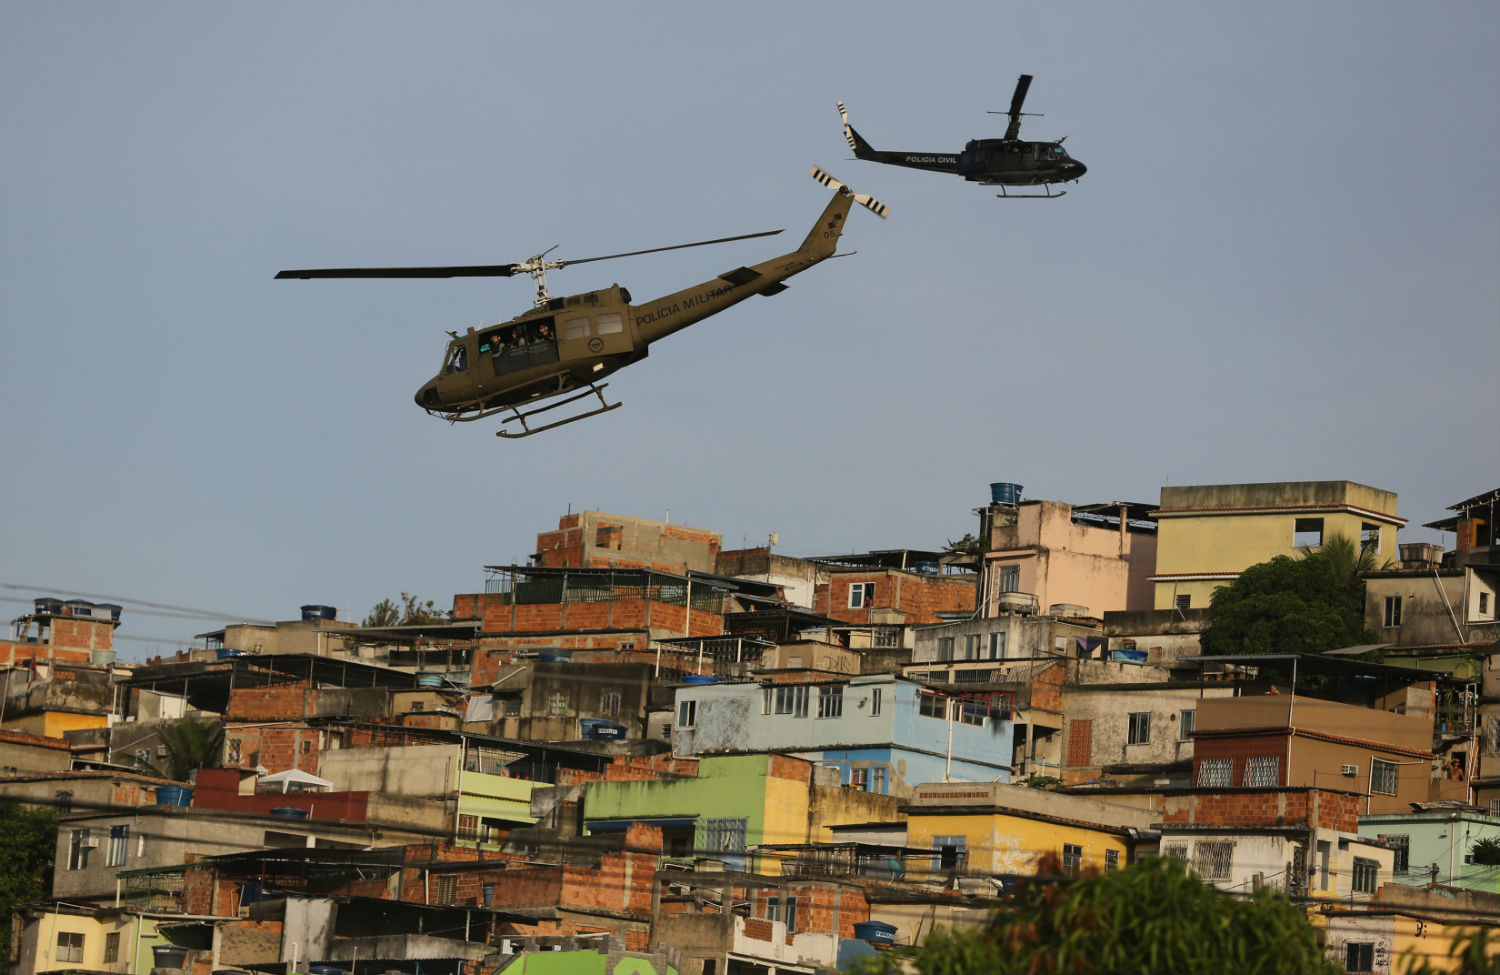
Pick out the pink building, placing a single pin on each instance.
(1085, 560)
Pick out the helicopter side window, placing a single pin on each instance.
(609, 324)
(458, 359)
(575, 328)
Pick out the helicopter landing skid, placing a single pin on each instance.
(527, 430)
(1046, 195)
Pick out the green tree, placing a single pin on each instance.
(1485, 851)
(1153, 916)
(411, 611)
(28, 837)
(1308, 605)
(384, 613)
(191, 743)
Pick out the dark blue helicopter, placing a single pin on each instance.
(1008, 161)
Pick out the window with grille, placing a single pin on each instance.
(1215, 773)
(1401, 844)
(1212, 859)
(1139, 732)
(446, 888)
(1365, 872)
(609, 703)
(468, 827)
(887, 637)
(1176, 851)
(1262, 771)
(1072, 857)
(1383, 777)
(69, 946)
(724, 835)
(557, 705)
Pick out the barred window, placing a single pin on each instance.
(1215, 773)
(1383, 777)
(446, 888)
(1263, 770)
(1176, 851)
(1401, 844)
(609, 703)
(1212, 860)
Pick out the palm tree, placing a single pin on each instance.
(1345, 558)
(191, 744)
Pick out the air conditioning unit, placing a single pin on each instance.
(89, 843)
(1349, 769)
(244, 912)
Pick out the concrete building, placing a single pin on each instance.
(598, 540)
(1208, 534)
(732, 805)
(884, 734)
(71, 631)
(797, 578)
(1087, 560)
(1007, 830)
(1434, 844)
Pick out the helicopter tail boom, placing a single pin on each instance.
(942, 162)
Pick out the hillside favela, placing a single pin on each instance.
(643, 752)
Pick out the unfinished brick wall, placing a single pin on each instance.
(1266, 807)
(920, 597)
(276, 747)
(278, 702)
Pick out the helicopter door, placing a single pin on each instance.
(520, 345)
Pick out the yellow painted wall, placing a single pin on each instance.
(52, 724)
(1001, 843)
(786, 814)
(1230, 541)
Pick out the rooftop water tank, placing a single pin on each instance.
(48, 605)
(319, 613)
(1005, 492)
(554, 655)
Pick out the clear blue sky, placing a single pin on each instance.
(1282, 265)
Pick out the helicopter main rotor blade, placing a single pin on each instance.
(452, 271)
(1023, 85)
(674, 247)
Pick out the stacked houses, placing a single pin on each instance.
(642, 752)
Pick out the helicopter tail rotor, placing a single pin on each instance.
(868, 202)
(848, 132)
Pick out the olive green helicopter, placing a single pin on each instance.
(558, 352)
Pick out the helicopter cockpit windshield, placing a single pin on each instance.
(458, 359)
(1052, 151)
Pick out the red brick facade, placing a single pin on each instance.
(920, 597)
(1265, 807)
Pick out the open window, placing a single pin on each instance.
(1307, 533)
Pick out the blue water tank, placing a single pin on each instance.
(877, 932)
(174, 795)
(700, 679)
(289, 812)
(224, 653)
(429, 678)
(1004, 492)
(927, 568)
